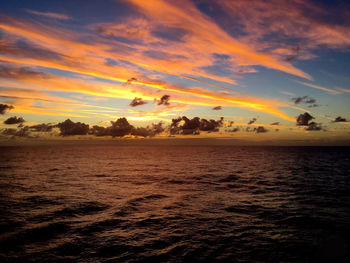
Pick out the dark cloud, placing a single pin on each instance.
(68, 128)
(137, 102)
(297, 100)
(234, 129)
(217, 108)
(23, 49)
(210, 125)
(14, 120)
(119, 128)
(340, 119)
(194, 126)
(98, 131)
(4, 108)
(276, 130)
(275, 123)
(130, 81)
(169, 33)
(313, 126)
(252, 121)
(157, 128)
(21, 73)
(23, 132)
(43, 127)
(303, 119)
(141, 131)
(292, 57)
(246, 70)
(305, 100)
(164, 100)
(260, 129)
(149, 131)
(313, 105)
(310, 101)
(230, 124)
(191, 126)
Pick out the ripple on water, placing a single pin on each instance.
(178, 204)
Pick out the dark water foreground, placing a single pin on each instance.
(174, 204)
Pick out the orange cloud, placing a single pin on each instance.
(206, 37)
(190, 95)
(198, 96)
(81, 58)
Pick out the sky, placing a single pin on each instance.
(251, 70)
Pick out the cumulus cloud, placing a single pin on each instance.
(303, 119)
(252, 121)
(137, 102)
(164, 100)
(217, 108)
(194, 126)
(14, 120)
(340, 119)
(23, 132)
(4, 108)
(313, 126)
(148, 131)
(43, 127)
(119, 128)
(98, 131)
(69, 127)
(260, 129)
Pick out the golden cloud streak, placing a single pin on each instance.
(68, 47)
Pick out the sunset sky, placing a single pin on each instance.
(274, 70)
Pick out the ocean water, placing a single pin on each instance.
(174, 204)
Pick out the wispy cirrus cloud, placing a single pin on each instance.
(203, 37)
(332, 91)
(293, 30)
(49, 14)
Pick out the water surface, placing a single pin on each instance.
(174, 204)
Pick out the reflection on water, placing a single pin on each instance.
(173, 204)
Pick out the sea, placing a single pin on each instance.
(117, 203)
